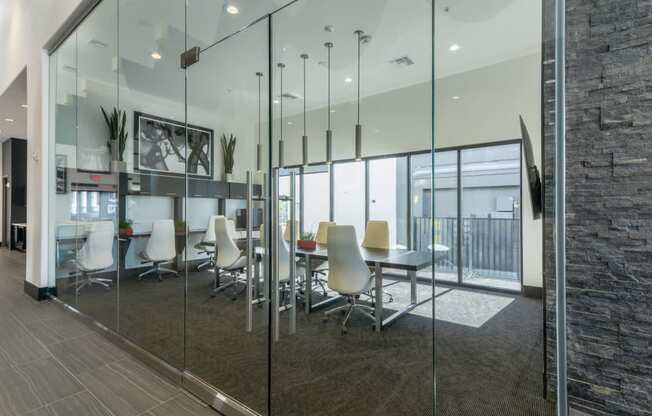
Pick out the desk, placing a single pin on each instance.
(401, 259)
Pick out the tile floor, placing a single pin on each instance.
(53, 365)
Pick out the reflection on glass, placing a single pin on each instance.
(316, 196)
(446, 216)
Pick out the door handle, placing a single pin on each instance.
(250, 255)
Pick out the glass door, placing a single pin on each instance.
(352, 330)
(226, 259)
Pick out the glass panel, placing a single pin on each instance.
(491, 216)
(388, 197)
(349, 195)
(336, 363)
(446, 216)
(490, 334)
(152, 95)
(65, 234)
(226, 321)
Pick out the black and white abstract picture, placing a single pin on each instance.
(160, 146)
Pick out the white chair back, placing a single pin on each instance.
(97, 252)
(209, 237)
(348, 272)
(283, 258)
(376, 235)
(161, 244)
(286, 230)
(227, 251)
(321, 237)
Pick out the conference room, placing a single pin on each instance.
(310, 211)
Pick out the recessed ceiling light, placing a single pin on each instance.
(455, 97)
(9, 120)
(275, 101)
(348, 80)
(156, 55)
(332, 111)
(232, 9)
(24, 105)
(454, 47)
(290, 123)
(97, 43)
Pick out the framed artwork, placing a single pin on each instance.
(61, 162)
(160, 147)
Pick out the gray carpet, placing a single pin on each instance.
(488, 356)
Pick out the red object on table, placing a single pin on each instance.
(126, 232)
(307, 244)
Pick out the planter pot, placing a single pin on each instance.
(118, 166)
(307, 244)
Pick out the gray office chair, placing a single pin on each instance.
(348, 274)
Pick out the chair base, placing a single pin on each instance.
(159, 271)
(89, 281)
(210, 263)
(235, 281)
(350, 307)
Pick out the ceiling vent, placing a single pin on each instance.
(97, 43)
(402, 61)
(291, 96)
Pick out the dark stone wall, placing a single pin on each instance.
(609, 205)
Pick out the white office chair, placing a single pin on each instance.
(207, 244)
(229, 258)
(160, 249)
(95, 255)
(376, 236)
(348, 273)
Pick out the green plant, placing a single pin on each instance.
(228, 152)
(116, 123)
(125, 224)
(307, 236)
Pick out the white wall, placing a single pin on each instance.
(25, 27)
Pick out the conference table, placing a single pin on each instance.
(379, 260)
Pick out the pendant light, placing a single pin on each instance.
(358, 126)
(329, 132)
(281, 161)
(304, 139)
(259, 146)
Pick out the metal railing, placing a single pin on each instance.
(490, 246)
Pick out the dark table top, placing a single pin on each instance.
(395, 258)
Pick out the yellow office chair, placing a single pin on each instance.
(286, 230)
(376, 236)
(321, 236)
(320, 268)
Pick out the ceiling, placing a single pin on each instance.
(11, 102)
(487, 32)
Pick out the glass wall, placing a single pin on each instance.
(171, 199)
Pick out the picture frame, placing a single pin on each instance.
(160, 147)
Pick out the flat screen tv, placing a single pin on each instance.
(533, 176)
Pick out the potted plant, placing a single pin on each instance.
(228, 153)
(307, 242)
(116, 123)
(125, 230)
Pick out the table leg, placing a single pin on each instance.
(308, 285)
(378, 298)
(413, 286)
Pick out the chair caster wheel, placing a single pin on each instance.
(344, 331)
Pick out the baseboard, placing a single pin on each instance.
(38, 293)
(532, 292)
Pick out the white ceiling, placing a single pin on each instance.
(487, 31)
(10, 107)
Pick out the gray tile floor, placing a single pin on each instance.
(53, 365)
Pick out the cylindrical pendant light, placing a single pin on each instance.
(358, 126)
(281, 150)
(304, 139)
(259, 146)
(329, 132)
